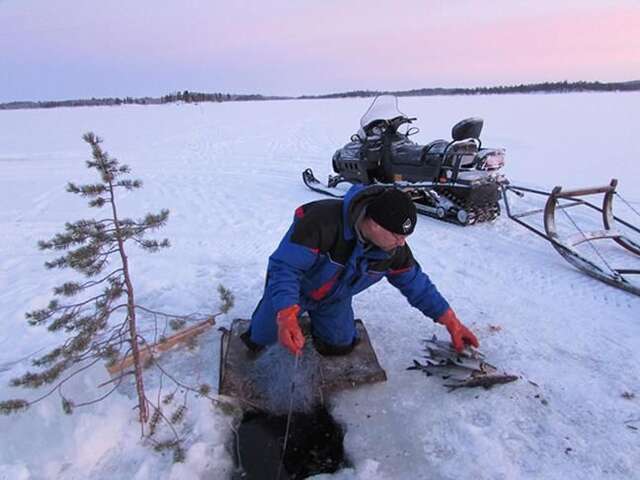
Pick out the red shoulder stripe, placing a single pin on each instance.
(400, 270)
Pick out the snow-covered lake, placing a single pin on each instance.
(230, 174)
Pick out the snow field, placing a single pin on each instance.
(230, 174)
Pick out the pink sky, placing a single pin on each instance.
(70, 48)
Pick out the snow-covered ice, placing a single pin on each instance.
(230, 174)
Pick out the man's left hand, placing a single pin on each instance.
(460, 335)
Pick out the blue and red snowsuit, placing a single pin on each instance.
(321, 263)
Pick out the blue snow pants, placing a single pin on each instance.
(331, 322)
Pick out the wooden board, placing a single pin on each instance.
(157, 348)
(359, 367)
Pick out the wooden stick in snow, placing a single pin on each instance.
(162, 346)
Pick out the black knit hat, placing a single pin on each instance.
(393, 210)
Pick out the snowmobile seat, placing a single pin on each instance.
(467, 128)
(432, 157)
(405, 152)
(437, 147)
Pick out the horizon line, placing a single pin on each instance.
(630, 85)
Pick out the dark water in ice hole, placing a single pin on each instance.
(315, 443)
(315, 446)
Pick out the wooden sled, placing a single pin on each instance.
(561, 200)
(360, 367)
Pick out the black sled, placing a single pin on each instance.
(454, 180)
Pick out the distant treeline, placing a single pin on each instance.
(547, 87)
(196, 97)
(185, 96)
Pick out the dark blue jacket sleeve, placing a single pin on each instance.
(286, 267)
(419, 290)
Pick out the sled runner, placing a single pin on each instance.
(338, 373)
(567, 245)
(453, 180)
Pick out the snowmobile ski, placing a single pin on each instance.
(316, 185)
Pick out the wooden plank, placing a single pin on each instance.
(579, 192)
(582, 237)
(145, 352)
(360, 367)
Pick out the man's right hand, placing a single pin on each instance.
(460, 335)
(289, 333)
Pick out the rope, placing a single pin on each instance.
(289, 415)
(626, 203)
(616, 274)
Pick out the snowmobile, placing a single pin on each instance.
(454, 180)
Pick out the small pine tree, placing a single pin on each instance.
(98, 312)
(97, 250)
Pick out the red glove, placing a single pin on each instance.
(460, 335)
(289, 333)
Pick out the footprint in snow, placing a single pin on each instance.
(481, 419)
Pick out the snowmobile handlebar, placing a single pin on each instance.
(396, 122)
(384, 124)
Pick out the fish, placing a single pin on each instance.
(441, 353)
(485, 381)
(468, 369)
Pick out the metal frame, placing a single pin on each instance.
(566, 246)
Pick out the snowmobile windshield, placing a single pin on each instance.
(384, 107)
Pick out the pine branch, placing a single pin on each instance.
(88, 259)
(67, 405)
(75, 234)
(76, 348)
(48, 358)
(8, 407)
(90, 190)
(195, 316)
(128, 184)
(115, 379)
(66, 320)
(227, 299)
(153, 246)
(218, 399)
(167, 422)
(97, 202)
(69, 316)
(154, 221)
(69, 312)
(61, 382)
(69, 289)
(35, 380)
